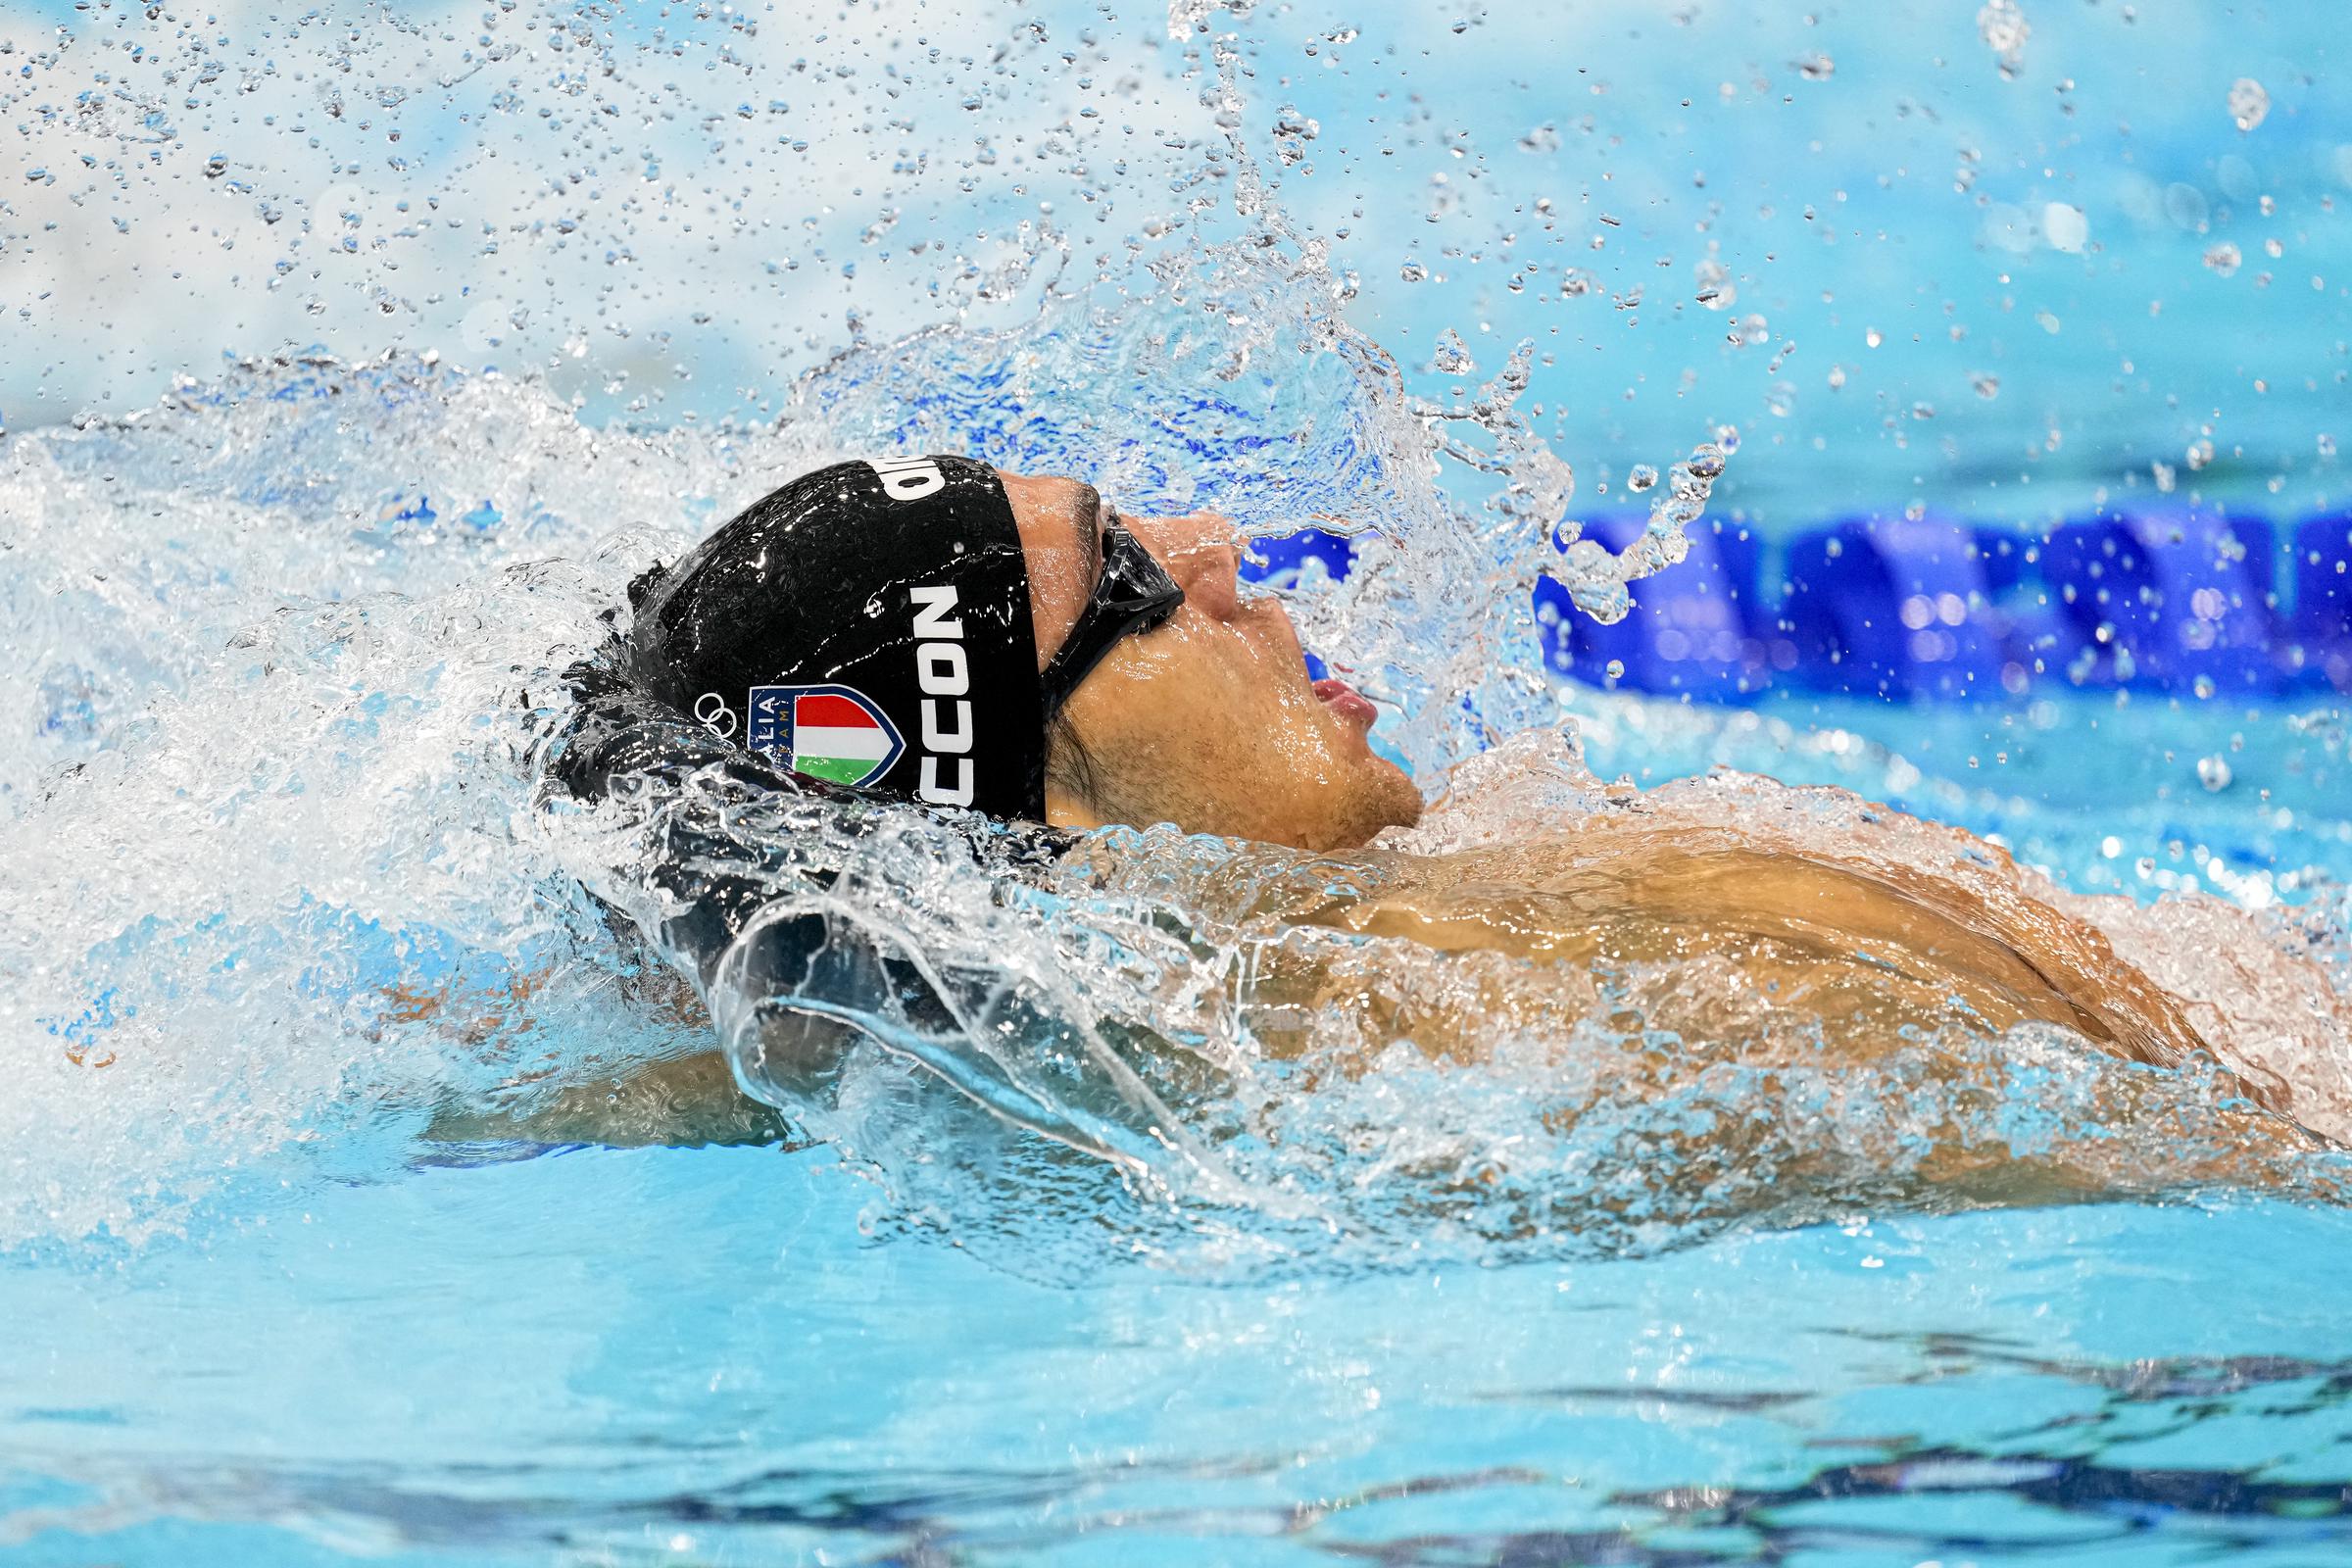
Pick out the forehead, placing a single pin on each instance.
(1049, 492)
(1053, 511)
(1061, 525)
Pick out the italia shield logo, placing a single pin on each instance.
(835, 733)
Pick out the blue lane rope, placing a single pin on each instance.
(1926, 606)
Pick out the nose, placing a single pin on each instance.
(1202, 553)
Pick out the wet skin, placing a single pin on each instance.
(1210, 723)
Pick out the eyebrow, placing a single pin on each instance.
(1090, 529)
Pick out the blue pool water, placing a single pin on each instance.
(320, 462)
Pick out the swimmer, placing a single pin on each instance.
(937, 631)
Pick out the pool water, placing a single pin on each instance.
(286, 906)
(702, 1357)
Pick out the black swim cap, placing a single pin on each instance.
(867, 626)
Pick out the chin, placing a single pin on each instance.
(1381, 797)
(1400, 802)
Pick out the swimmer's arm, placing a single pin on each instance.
(686, 1102)
(687, 1099)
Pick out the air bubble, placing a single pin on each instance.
(1641, 477)
(2225, 257)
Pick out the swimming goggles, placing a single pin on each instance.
(1133, 595)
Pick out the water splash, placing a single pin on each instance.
(294, 635)
(292, 654)
(296, 894)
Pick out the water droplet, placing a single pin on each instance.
(2185, 206)
(1872, 337)
(1641, 477)
(2004, 30)
(1615, 669)
(1715, 289)
(1293, 130)
(2249, 105)
(1452, 358)
(1816, 67)
(2065, 228)
(2214, 773)
(1412, 272)
(2225, 257)
(2327, 445)
(1987, 387)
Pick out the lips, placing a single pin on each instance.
(1345, 700)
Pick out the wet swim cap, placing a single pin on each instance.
(867, 626)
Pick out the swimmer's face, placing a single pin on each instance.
(1209, 721)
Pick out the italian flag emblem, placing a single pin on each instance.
(835, 733)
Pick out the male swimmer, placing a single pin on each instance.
(935, 630)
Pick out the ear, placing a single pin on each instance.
(1065, 809)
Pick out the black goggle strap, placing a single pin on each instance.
(1133, 595)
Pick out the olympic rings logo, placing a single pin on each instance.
(712, 712)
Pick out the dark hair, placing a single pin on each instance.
(1069, 762)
